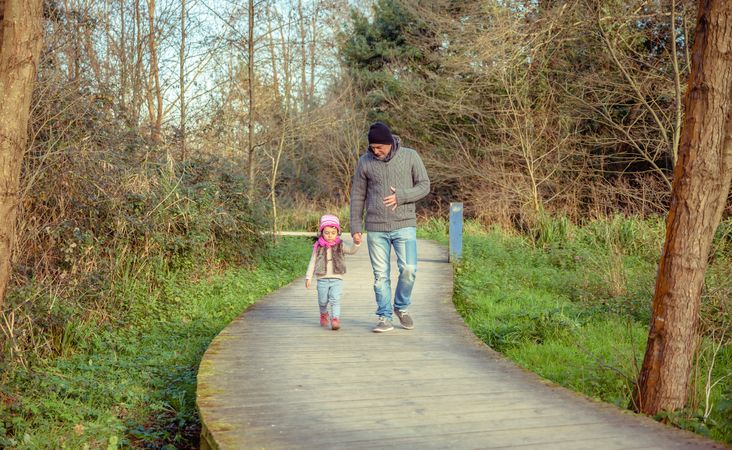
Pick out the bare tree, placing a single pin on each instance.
(182, 79)
(137, 72)
(677, 86)
(641, 80)
(281, 107)
(700, 188)
(21, 37)
(122, 56)
(347, 139)
(534, 142)
(154, 92)
(285, 45)
(313, 47)
(250, 116)
(303, 55)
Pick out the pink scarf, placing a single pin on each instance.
(321, 242)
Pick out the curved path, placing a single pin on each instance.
(274, 379)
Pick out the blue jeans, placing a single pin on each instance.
(404, 241)
(329, 291)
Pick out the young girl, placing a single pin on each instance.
(328, 264)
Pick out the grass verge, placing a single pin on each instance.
(573, 305)
(134, 385)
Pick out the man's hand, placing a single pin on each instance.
(391, 200)
(307, 284)
(357, 237)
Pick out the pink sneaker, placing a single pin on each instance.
(336, 324)
(324, 319)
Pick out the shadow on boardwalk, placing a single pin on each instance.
(275, 379)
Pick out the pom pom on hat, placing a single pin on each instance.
(329, 220)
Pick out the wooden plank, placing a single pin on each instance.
(276, 379)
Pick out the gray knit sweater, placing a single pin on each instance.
(403, 169)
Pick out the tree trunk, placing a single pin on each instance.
(123, 72)
(182, 80)
(286, 56)
(700, 186)
(21, 36)
(313, 50)
(677, 88)
(107, 43)
(2, 16)
(303, 57)
(155, 95)
(89, 50)
(273, 55)
(72, 50)
(137, 77)
(250, 119)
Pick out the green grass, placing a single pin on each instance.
(134, 385)
(569, 303)
(572, 304)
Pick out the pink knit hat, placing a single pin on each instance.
(329, 220)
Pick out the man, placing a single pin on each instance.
(388, 181)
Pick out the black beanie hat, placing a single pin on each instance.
(379, 134)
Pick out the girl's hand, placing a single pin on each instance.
(307, 284)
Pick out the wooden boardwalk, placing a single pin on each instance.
(275, 379)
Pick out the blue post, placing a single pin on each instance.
(456, 231)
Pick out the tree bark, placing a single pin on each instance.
(313, 50)
(123, 70)
(677, 87)
(273, 54)
(88, 42)
(137, 76)
(701, 183)
(286, 57)
(182, 80)
(2, 16)
(155, 95)
(250, 90)
(21, 37)
(72, 50)
(303, 57)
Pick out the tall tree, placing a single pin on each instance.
(303, 56)
(21, 36)
(701, 184)
(250, 113)
(154, 92)
(314, 35)
(182, 79)
(138, 41)
(123, 65)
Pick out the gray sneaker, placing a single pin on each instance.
(383, 325)
(404, 318)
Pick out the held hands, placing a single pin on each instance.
(307, 284)
(357, 237)
(391, 200)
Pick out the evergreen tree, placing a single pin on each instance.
(380, 56)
